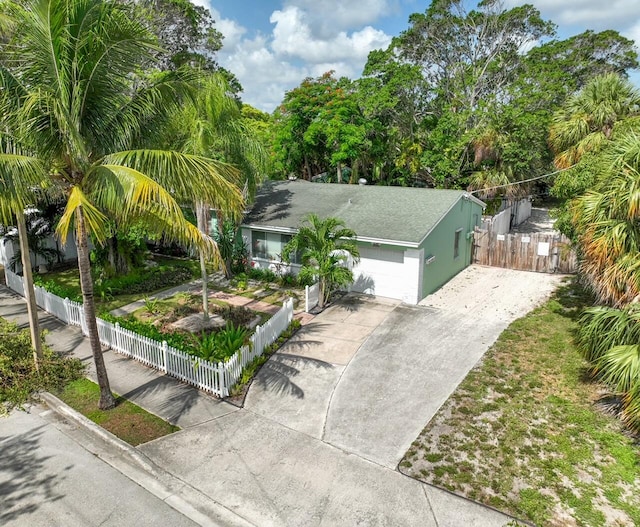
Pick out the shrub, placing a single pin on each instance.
(148, 280)
(18, 376)
(175, 339)
(262, 275)
(288, 279)
(237, 315)
(221, 345)
(54, 288)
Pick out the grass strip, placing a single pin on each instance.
(528, 433)
(127, 421)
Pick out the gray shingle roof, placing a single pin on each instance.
(397, 214)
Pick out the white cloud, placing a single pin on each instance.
(592, 14)
(232, 31)
(307, 39)
(634, 33)
(293, 37)
(326, 18)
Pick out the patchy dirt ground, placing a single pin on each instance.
(494, 292)
(524, 431)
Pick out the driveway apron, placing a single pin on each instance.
(295, 387)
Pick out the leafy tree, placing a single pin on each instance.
(470, 56)
(457, 100)
(72, 93)
(186, 32)
(340, 128)
(302, 145)
(325, 247)
(393, 97)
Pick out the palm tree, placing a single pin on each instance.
(609, 339)
(607, 223)
(591, 117)
(325, 247)
(215, 127)
(19, 174)
(75, 95)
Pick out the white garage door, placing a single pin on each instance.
(393, 273)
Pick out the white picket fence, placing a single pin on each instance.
(215, 378)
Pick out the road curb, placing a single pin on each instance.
(132, 463)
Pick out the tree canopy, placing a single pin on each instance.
(463, 97)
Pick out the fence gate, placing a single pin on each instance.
(541, 252)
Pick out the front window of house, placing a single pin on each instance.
(269, 245)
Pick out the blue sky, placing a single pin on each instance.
(271, 45)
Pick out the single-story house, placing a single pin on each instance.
(411, 240)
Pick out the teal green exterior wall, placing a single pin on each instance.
(465, 215)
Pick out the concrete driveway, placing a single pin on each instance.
(329, 416)
(295, 387)
(367, 374)
(418, 355)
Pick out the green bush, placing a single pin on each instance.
(56, 289)
(221, 345)
(262, 275)
(237, 315)
(18, 376)
(148, 280)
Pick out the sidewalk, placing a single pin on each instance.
(159, 394)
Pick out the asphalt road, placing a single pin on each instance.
(47, 479)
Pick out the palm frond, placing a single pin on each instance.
(96, 222)
(187, 177)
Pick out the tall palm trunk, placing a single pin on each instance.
(106, 397)
(202, 219)
(29, 292)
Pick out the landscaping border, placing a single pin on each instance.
(214, 378)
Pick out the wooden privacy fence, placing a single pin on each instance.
(541, 252)
(215, 378)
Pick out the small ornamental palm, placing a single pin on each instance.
(325, 247)
(72, 92)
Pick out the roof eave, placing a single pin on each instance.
(366, 239)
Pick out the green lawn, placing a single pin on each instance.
(126, 421)
(526, 431)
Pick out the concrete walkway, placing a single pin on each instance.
(265, 471)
